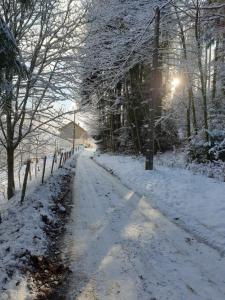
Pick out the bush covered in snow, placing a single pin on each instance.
(201, 151)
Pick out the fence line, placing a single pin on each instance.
(43, 172)
(39, 170)
(63, 158)
(25, 181)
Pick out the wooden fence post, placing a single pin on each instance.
(25, 181)
(30, 175)
(53, 161)
(43, 173)
(19, 177)
(60, 161)
(35, 171)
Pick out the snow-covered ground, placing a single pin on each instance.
(120, 247)
(34, 179)
(178, 159)
(22, 232)
(196, 202)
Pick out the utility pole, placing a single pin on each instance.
(155, 95)
(74, 130)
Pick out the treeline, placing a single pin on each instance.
(119, 75)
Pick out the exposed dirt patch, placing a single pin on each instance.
(47, 273)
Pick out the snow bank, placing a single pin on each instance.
(178, 159)
(22, 231)
(194, 201)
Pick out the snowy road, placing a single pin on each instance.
(119, 247)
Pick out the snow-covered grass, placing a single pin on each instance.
(214, 169)
(178, 159)
(22, 231)
(34, 178)
(196, 202)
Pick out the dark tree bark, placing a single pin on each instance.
(201, 71)
(191, 102)
(156, 94)
(214, 81)
(11, 180)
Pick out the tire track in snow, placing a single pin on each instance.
(120, 247)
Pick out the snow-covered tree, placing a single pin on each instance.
(118, 74)
(118, 61)
(42, 35)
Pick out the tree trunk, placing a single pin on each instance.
(201, 71)
(214, 80)
(191, 102)
(10, 167)
(129, 118)
(156, 94)
(111, 120)
(135, 104)
(188, 124)
(10, 135)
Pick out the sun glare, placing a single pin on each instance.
(175, 83)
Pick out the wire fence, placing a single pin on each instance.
(34, 171)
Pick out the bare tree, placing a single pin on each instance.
(44, 34)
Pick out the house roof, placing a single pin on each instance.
(69, 124)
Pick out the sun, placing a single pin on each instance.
(175, 83)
